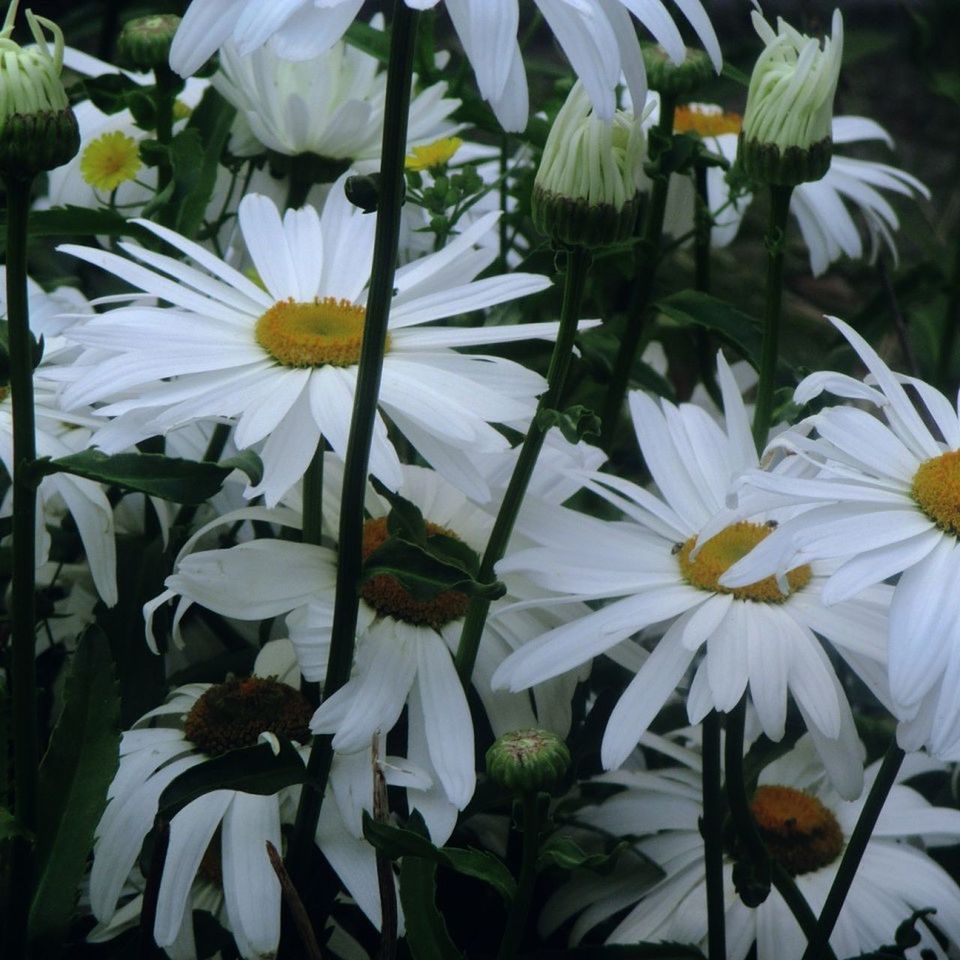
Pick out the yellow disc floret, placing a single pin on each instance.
(721, 552)
(936, 489)
(436, 154)
(798, 830)
(389, 597)
(694, 118)
(110, 160)
(315, 334)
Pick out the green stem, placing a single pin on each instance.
(856, 845)
(713, 811)
(577, 267)
(166, 82)
(703, 226)
(313, 497)
(951, 320)
(399, 78)
(776, 234)
(648, 256)
(748, 834)
(520, 909)
(23, 680)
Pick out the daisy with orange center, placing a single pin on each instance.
(665, 564)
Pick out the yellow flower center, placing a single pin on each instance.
(110, 160)
(235, 713)
(936, 489)
(436, 154)
(721, 552)
(690, 118)
(391, 599)
(315, 334)
(798, 830)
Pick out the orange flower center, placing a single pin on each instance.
(691, 118)
(798, 830)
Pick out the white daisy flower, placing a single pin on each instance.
(805, 825)
(331, 105)
(665, 562)
(217, 843)
(598, 38)
(824, 209)
(887, 503)
(283, 360)
(59, 434)
(405, 646)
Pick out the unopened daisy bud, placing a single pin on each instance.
(144, 43)
(38, 131)
(676, 80)
(527, 760)
(786, 127)
(586, 192)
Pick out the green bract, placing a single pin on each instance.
(38, 130)
(586, 190)
(786, 136)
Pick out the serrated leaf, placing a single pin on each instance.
(564, 853)
(427, 936)
(397, 842)
(74, 776)
(170, 478)
(248, 769)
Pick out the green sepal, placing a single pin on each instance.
(576, 423)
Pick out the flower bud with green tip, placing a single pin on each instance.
(586, 192)
(144, 42)
(786, 136)
(526, 761)
(678, 80)
(38, 131)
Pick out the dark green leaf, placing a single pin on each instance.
(564, 853)
(246, 461)
(736, 328)
(9, 827)
(397, 842)
(405, 519)
(74, 776)
(575, 423)
(627, 951)
(427, 936)
(248, 769)
(170, 478)
(109, 92)
(70, 221)
(370, 40)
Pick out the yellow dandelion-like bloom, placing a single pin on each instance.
(110, 160)
(435, 154)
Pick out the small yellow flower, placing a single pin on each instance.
(435, 154)
(110, 160)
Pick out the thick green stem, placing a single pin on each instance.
(166, 82)
(577, 267)
(520, 909)
(648, 259)
(749, 836)
(769, 352)
(951, 321)
(23, 680)
(703, 228)
(313, 498)
(399, 78)
(856, 845)
(713, 811)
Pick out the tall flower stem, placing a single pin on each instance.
(713, 812)
(703, 228)
(577, 267)
(166, 82)
(749, 836)
(403, 34)
(769, 352)
(520, 909)
(649, 256)
(313, 497)
(856, 845)
(23, 680)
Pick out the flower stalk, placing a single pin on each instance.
(386, 240)
(713, 811)
(577, 268)
(769, 351)
(520, 909)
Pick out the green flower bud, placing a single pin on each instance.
(527, 760)
(677, 80)
(144, 43)
(38, 131)
(786, 137)
(586, 192)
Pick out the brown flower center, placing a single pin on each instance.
(388, 596)
(234, 714)
(798, 830)
(721, 552)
